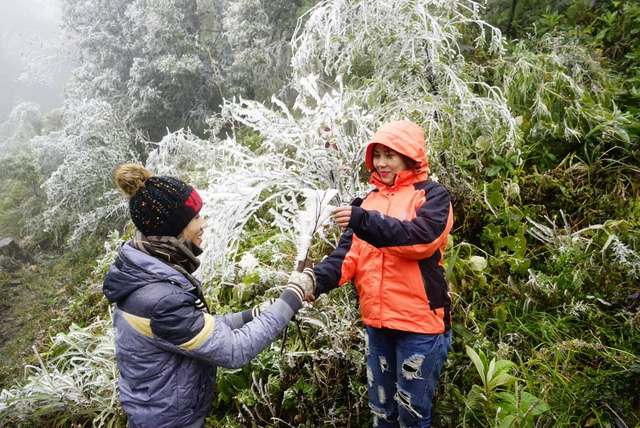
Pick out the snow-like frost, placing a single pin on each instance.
(312, 219)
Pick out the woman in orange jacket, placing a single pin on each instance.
(393, 248)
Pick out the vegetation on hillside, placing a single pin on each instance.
(532, 116)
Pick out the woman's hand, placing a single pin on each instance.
(342, 215)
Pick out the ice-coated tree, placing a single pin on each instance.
(153, 67)
(24, 123)
(79, 161)
(256, 64)
(356, 66)
(143, 57)
(142, 73)
(408, 59)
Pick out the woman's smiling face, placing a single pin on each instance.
(194, 230)
(388, 163)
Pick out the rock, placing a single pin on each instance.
(8, 264)
(9, 248)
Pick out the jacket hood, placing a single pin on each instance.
(134, 269)
(404, 137)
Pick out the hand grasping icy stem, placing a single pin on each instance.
(342, 215)
(302, 284)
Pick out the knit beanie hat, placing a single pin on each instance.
(159, 206)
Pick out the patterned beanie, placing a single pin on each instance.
(159, 206)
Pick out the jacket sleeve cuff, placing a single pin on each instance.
(291, 300)
(247, 315)
(356, 217)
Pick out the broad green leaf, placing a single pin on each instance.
(482, 143)
(476, 398)
(502, 380)
(623, 134)
(508, 421)
(477, 362)
(477, 263)
(507, 398)
(491, 371)
(527, 400)
(504, 365)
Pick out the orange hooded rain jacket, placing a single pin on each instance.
(394, 243)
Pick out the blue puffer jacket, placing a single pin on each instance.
(167, 351)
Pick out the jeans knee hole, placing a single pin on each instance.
(411, 367)
(377, 413)
(404, 400)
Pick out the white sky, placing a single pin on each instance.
(22, 24)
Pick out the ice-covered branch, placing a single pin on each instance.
(311, 220)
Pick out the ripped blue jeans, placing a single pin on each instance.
(403, 369)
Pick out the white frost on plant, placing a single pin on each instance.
(626, 257)
(577, 307)
(80, 373)
(248, 262)
(311, 220)
(411, 53)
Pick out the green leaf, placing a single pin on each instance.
(223, 387)
(518, 265)
(504, 365)
(452, 262)
(495, 199)
(482, 143)
(508, 421)
(462, 331)
(507, 398)
(527, 400)
(492, 171)
(475, 358)
(623, 134)
(236, 381)
(491, 371)
(502, 380)
(496, 185)
(477, 263)
(251, 278)
(476, 398)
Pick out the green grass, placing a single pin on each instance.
(42, 299)
(28, 303)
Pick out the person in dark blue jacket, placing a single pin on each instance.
(168, 344)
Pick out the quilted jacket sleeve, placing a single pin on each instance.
(179, 327)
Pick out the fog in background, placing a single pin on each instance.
(27, 26)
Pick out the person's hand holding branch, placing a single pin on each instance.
(342, 216)
(302, 281)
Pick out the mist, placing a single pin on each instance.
(28, 27)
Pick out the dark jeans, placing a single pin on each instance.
(197, 424)
(403, 369)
